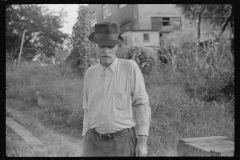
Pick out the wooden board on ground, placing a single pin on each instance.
(26, 135)
(205, 146)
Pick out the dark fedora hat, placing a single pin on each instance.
(106, 33)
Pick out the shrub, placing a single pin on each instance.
(81, 45)
(143, 58)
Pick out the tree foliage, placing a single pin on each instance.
(80, 44)
(41, 25)
(217, 14)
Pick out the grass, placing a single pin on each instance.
(174, 119)
(177, 109)
(15, 146)
(56, 145)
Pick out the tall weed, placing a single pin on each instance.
(58, 85)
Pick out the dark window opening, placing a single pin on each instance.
(166, 21)
(145, 37)
(162, 23)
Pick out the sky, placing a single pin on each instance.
(71, 17)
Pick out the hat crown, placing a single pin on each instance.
(106, 28)
(106, 33)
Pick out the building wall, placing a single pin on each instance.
(177, 37)
(136, 24)
(127, 38)
(98, 8)
(137, 38)
(122, 17)
(146, 11)
(138, 17)
(126, 18)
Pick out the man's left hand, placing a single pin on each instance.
(141, 149)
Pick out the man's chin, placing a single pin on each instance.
(105, 62)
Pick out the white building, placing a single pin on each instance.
(150, 24)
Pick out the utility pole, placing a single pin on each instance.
(19, 57)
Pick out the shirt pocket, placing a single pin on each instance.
(121, 96)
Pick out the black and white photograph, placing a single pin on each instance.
(120, 80)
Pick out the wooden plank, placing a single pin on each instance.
(189, 140)
(25, 135)
(215, 145)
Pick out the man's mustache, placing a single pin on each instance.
(103, 54)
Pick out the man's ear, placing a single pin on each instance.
(115, 48)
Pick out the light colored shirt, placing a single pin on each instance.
(115, 98)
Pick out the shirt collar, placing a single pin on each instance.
(113, 66)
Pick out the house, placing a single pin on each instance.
(149, 25)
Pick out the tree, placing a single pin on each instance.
(80, 44)
(42, 29)
(222, 15)
(217, 14)
(193, 12)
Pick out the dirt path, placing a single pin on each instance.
(55, 144)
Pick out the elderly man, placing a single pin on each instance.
(115, 101)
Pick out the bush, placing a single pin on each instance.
(143, 58)
(204, 70)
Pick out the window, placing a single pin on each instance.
(156, 23)
(106, 11)
(146, 37)
(166, 23)
(93, 19)
(121, 5)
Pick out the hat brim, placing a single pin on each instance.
(104, 42)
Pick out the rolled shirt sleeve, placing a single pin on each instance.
(142, 110)
(143, 119)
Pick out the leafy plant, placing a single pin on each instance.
(80, 43)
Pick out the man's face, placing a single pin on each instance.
(107, 54)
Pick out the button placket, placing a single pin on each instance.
(105, 90)
(106, 83)
(105, 75)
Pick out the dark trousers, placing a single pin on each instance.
(123, 145)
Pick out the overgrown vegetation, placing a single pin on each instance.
(190, 96)
(191, 89)
(81, 46)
